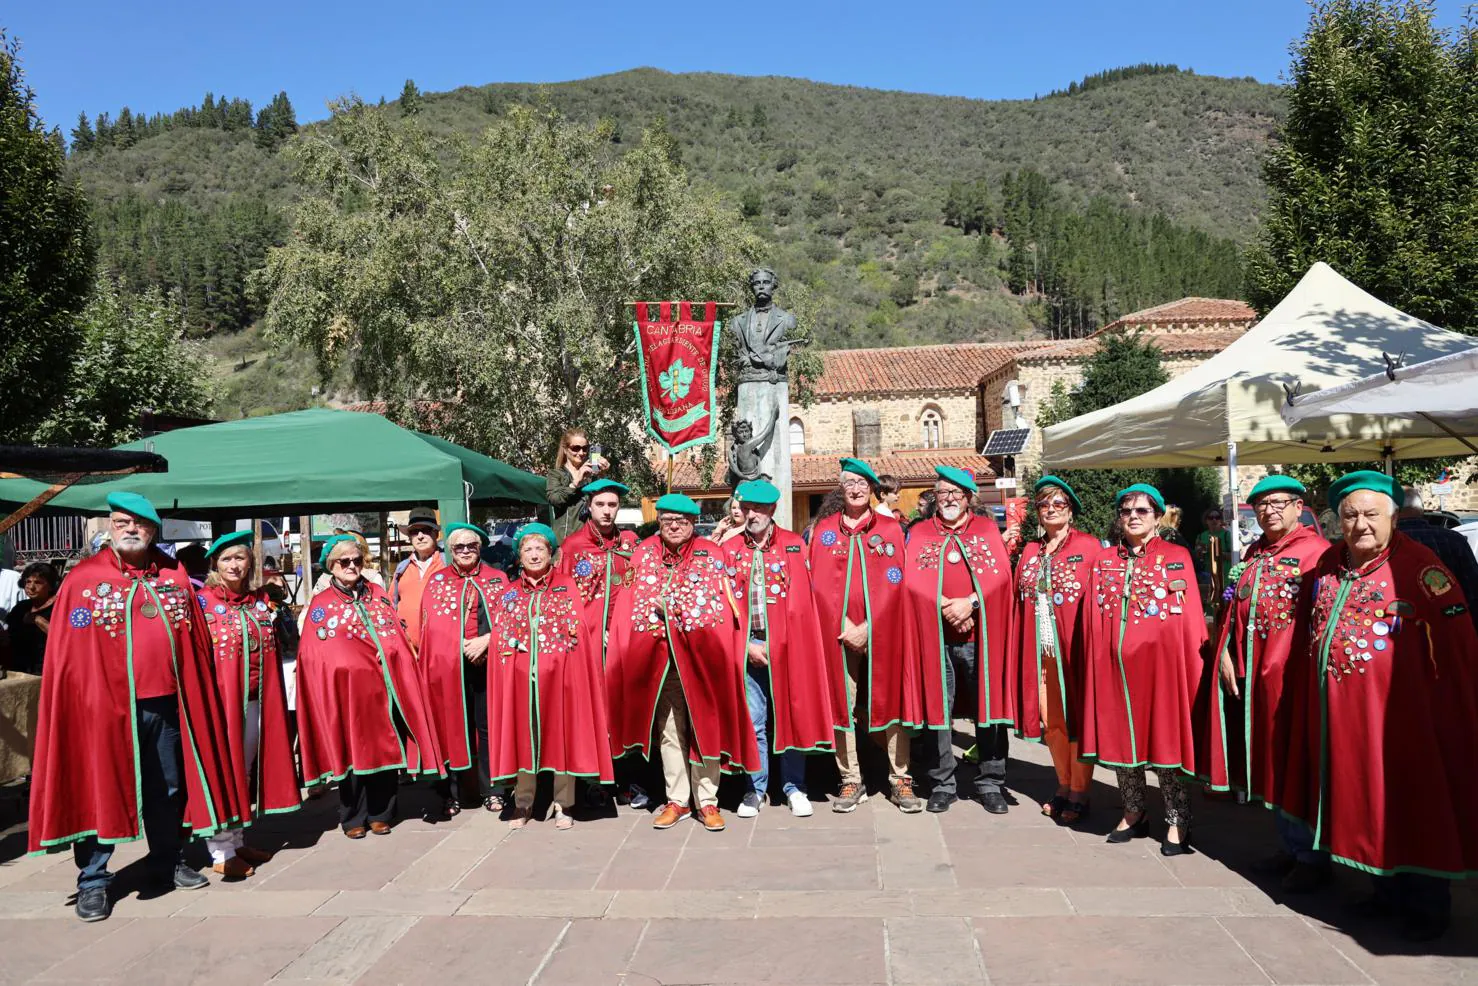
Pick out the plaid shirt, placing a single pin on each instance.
(1452, 550)
(758, 601)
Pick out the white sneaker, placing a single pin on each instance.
(800, 805)
(749, 807)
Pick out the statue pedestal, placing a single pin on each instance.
(760, 404)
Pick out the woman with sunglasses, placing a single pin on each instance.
(574, 466)
(363, 714)
(1046, 648)
(1143, 632)
(456, 612)
(241, 622)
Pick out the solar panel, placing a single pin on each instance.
(1006, 441)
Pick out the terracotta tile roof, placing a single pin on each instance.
(1169, 343)
(1204, 311)
(913, 467)
(848, 372)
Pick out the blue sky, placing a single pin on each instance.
(153, 57)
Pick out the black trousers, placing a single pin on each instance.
(475, 685)
(365, 798)
(161, 775)
(936, 746)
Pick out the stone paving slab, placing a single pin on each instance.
(870, 897)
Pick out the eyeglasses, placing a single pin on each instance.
(1135, 511)
(675, 521)
(1278, 505)
(578, 448)
(1056, 503)
(462, 549)
(855, 484)
(349, 562)
(944, 496)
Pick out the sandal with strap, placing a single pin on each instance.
(495, 804)
(1055, 807)
(1075, 811)
(562, 821)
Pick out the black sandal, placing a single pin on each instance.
(495, 804)
(1056, 806)
(1077, 809)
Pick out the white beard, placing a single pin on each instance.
(951, 513)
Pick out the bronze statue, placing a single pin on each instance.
(747, 452)
(762, 330)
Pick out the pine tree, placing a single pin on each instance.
(123, 133)
(84, 138)
(410, 99)
(758, 119)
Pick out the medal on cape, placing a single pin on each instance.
(953, 557)
(148, 610)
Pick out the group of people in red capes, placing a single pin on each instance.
(1337, 688)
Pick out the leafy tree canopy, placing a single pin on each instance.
(491, 277)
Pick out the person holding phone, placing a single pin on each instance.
(576, 465)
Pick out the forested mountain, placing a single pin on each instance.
(910, 218)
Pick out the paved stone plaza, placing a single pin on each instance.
(872, 897)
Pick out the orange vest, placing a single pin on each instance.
(409, 586)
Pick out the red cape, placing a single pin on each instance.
(597, 565)
(356, 677)
(1390, 716)
(1265, 628)
(240, 627)
(1066, 572)
(846, 562)
(1143, 659)
(807, 687)
(703, 637)
(546, 695)
(85, 774)
(979, 547)
(449, 608)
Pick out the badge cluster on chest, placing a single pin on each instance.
(107, 604)
(344, 620)
(1278, 583)
(552, 623)
(1058, 581)
(773, 576)
(1363, 627)
(693, 594)
(1152, 592)
(972, 550)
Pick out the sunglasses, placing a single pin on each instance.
(1057, 503)
(462, 549)
(578, 448)
(349, 562)
(1135, 511)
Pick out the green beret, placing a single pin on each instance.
(1060, 484)
(1144, 488)
(677, 503)
(1365, 479)
(537, 530)
(329, 546)
(460, 525)
(1276, 484)
(135, 504)
(860, 468)
(757, 491)
(225, 541)
(958, 477)
(602, 485)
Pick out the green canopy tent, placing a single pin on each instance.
(301, 462)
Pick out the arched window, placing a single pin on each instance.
(797, 437)
(931, 426)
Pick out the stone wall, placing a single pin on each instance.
(828, 422)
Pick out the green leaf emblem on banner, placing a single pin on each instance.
(676, 380)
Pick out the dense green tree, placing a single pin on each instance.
(276, 122)
(132, 358)
(1374, 171)
(493, 276)
(968, 206)
(1123, 367)
(46, 258)
(124, 135)
(83, 137)
(410, 98)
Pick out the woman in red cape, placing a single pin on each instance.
(456, 608)
(239, 621)
(1046, 650)
(1389, 722)
(546, 702)
(856, 559)
(1263, 644)
(85, 778)
(958, 584)
(363, 713)
(675, 619)
(1143, 634)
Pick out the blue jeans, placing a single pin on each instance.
(160, 770)
(1298, 840)
(792, 762)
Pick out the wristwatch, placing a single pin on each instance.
(975, 604)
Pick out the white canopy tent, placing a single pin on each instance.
(1227, 410)
(1442, 391)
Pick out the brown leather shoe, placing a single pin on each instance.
(671, 814)
(257, 856)
(712, 820)
(380, 828)
(234, 868)
(357, 832)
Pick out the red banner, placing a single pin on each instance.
(679, 367)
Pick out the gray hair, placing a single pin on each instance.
(763, 270)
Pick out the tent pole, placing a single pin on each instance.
(1231, 512)
(1444, 427)
(305, 556)
(1388, 460)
